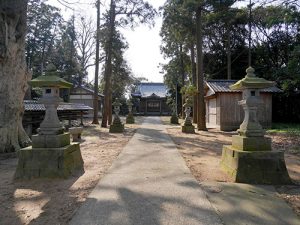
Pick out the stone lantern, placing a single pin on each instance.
(250, 158)
(188, 126)
(129, 118)
(51, 153)
(116, 126)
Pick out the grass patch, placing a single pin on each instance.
(285, 128)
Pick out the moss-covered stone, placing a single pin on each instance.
(190, 129)
(251, 143)
(174, 119)
(117, 126)
(256, 167)
(49, 162)
(130, 119)
(50, 141)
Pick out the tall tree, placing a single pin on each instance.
(44, 25)
(97, 61)
(122, 13)
(13, 74)
(86, 46)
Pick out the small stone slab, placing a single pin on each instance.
(255, 167)
(49, 162)
(76, 133)
(251, 143)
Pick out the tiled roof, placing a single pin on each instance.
(218, 86)
(151, 90)
(31, 105)
(88, 90)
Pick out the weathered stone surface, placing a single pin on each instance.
(76, 133)
(117, 126)
(49, 162)
(50, 141)
(130, 119)
(190, 129)
(251, 143)
(255, 167)
(174, 119)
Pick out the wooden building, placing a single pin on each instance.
(152, 99)
(84, 95)
(223, 111)
(34, 114)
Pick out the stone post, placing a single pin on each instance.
(187, 126)
(174, 117)
(250, 158)
(117, 126)
(51, 154)
(129, 118)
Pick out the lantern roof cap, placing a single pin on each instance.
(251, 81)
(50, 81)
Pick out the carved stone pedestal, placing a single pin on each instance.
(255, 167)
(60, 160)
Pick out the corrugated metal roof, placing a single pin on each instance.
(218, 86)
(151, 90)
(31, 105)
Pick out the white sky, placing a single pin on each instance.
(143, 54)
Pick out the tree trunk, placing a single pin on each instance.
(228, 53)
(182, 80)
(110, 108)
(13, 75)
(194, 80)
(201, 122)
(108, 68)
(95, 99)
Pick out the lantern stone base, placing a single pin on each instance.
(50, 141)
(251, 143)
(190, 129)
(130, 119)
(254, 167)
(49, 162)
(117, 126)
(174, 119)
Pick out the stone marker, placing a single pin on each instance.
(174, 117)
(188, 126)
(117, 126)
(76, 133)
(51, 154)
(250, 158)
(129, 118)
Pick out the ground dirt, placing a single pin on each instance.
(202, 152)
(48, 201)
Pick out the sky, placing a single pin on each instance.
(143, 54)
